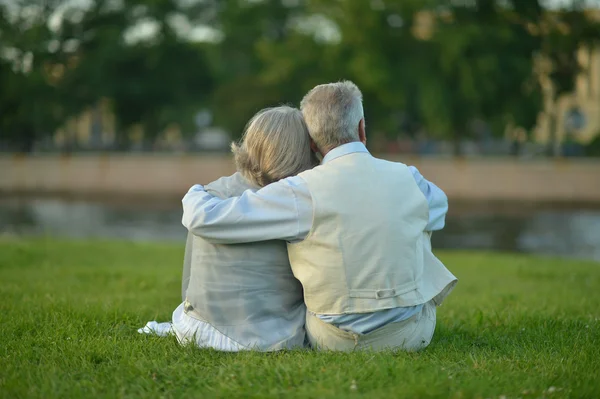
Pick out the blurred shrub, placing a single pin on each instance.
(593, 148)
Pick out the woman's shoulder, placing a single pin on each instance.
(229, 186)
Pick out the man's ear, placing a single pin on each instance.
(362, 134)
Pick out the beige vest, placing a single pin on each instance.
(367, 249)
(246, 291)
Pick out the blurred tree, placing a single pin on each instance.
(156, 86)
(430, 63)
(380, 52)
(563, 33)
(152, 80)
(250, 30)
(367, 42)
(482, 68)
(30, 105)
(423, 65)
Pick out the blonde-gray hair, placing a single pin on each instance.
(332, 112)
(275, 145)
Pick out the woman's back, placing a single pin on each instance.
(245, 291)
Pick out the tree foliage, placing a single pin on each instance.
(423, 65)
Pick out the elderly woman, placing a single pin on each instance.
(244, 296)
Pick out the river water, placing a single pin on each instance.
(565, 230)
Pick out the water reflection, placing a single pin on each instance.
(85, 219)
(571, 231)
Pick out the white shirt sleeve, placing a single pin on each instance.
(436, 198)
(279, 211)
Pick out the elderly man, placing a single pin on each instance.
(358, 231)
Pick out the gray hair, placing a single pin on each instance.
(275, 145)
(332, 112)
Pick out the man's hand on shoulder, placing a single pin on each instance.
(194, 198)
(196, 187)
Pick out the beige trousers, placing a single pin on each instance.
(410, 335)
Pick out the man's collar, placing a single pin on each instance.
(344, 149)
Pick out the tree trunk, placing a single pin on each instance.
(456, 145)
(151, 128)
(96, 127)
(122, 141)
(553, 148)
(25, 141)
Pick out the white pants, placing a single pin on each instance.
(190, 330)
(410, 335)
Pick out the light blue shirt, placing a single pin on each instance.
(283, 210)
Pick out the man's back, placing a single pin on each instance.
(364, 252)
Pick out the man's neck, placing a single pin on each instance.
(325, 152)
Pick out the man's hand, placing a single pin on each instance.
(195, 187)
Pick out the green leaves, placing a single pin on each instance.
(439, 65)
(85, 58)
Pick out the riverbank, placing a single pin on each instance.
(515, 326)
(565, 230)
(114, 175)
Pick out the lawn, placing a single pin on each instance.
(515, 326)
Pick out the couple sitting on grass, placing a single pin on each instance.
(288, 252)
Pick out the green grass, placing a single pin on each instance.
(515, 326)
